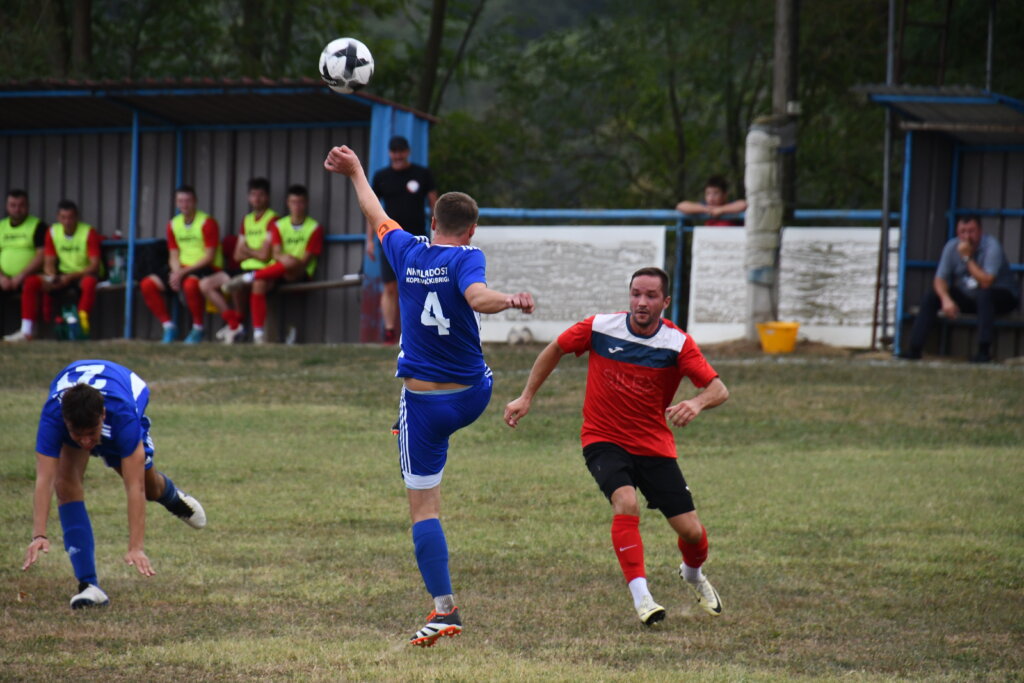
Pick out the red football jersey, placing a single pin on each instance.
(631, 380)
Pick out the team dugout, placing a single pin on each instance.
(118, 149)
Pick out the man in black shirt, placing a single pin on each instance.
(402, 187)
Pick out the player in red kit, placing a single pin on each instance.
(637, 360)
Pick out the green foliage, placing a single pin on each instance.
(594, 104)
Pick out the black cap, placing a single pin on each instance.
(398, 144)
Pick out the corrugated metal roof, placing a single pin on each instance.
(971, 115)
(27, 105)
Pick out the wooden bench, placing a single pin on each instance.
(277, 324)
(1013, 320)
(349, 280)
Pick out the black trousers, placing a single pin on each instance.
(987, 304)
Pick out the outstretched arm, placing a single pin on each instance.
(46, 474)
(545, 364)
(344, 161)
(483, 299)
(133, 472)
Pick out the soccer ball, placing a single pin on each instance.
(346, 65)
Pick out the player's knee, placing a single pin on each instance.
(689, 528)
(67, 491)
(624, 501)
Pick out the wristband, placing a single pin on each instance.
(35, 538)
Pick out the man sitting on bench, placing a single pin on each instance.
(973, 277)
(296, 241)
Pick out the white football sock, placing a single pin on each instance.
(638, 587)
(692, 574)
(26, 326)
(443, 604)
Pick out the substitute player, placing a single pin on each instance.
(637, 360)
(296, 241)
(96, 407)
(442, 289)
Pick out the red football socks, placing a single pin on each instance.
(258, 309)
(271, 272)
(232, 317)
(195, 300)
(694, 554)
(154, 299)
(628, 546)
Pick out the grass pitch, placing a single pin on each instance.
(865, 520)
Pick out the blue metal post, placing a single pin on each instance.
(954, 189)
(133, 226)
(908, 158)
(380, 133)
(179, 157)
(677, 284)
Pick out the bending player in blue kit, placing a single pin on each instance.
(442, 290)
(96, 407)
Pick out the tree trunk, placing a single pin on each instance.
(675, 111)
(436, 102)
(81, 38)
(432, 55)
(52, 12)
(251, 37)
(284, 37)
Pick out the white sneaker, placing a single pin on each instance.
(650, 612)
(234, 335)
(259, 337)
(18, 336)
(90, 595)
(196, 520)
(222, 334)
(707, 596)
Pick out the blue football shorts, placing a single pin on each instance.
(426, 420)
(147, 445)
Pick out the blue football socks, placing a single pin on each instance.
(78, 540)
(170, 494)
(432, 556)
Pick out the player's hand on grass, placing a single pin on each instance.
(38, 544)
(138, 559)
(342, 160)
(516, 410)
(682, 413)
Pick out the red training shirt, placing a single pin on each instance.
(631, 380)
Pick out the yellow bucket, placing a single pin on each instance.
(778, 337)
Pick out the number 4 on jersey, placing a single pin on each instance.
(433, 316)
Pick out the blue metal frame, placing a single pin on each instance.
(298, 125)
(384, 119)
(133, 226)
(954, 189)
(908, 157)
(178, 92)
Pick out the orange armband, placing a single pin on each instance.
(386, 227)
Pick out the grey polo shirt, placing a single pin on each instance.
(989, 256)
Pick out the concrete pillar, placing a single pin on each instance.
(763, 224)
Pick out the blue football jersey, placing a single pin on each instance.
(125, 397)
(440, 331)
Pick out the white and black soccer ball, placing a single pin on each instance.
(346, 65)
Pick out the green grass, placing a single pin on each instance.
(865, 518)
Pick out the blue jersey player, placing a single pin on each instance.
(442, 290)
(96, 407)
